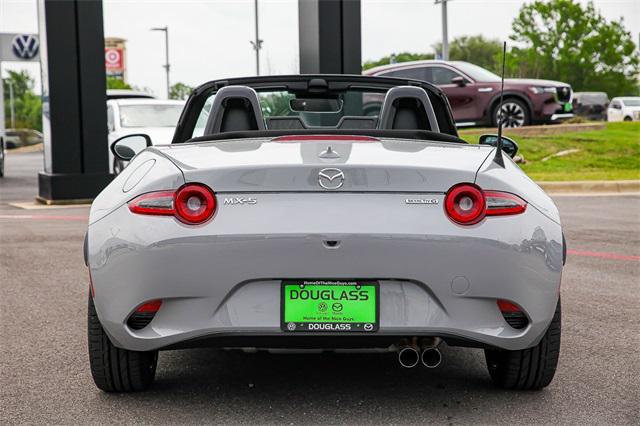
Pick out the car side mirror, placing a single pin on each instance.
(127, 147)
(459, 81)
(509, 146)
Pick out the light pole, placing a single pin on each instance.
(166, 49)
(257, 44)
(445, 36)
(12, 104)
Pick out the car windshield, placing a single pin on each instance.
(592, 98)
(631, 102)
(475, 72)
(150, 115)
(282, 109)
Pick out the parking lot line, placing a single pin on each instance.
(602, 255)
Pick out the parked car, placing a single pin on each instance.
(313, 225)
(127, 94)
(15, 138)
(624, 109)
(591, 105)
(474, 93)
(156, 118)
(2, 153)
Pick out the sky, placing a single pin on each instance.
(209, 39)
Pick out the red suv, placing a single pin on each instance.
(474, 93)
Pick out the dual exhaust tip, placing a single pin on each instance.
(410, 356)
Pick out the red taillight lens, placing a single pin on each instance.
(155, 203)
(465, 204)
(193, 203)
(151, 306)
(507, 307)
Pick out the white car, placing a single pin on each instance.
(624, 109)
(153, 117)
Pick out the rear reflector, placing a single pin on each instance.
(512, 314)
(144, 314)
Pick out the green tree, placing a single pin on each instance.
(116, 83)
(180, 91)
(564, 40)
(400, 57)
(477, 49)
(27, 105)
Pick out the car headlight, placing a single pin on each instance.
(538, 90)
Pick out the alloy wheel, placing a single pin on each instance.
(513, 115)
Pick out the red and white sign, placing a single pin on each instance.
(113, 59)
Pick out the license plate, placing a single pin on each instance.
(568, 107)
(330, 306)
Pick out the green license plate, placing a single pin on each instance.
(329, 306)
(568, 107)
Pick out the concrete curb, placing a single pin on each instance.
(592, 186)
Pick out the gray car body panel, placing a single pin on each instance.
(223, 277)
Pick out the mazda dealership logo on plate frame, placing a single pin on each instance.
(331, 178)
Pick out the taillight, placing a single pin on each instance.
(503, 203)
(192, 203)
(467, 204)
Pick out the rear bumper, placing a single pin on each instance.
(221, 281)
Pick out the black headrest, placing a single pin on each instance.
(407, 108)
(235, 109)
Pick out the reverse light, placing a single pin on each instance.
(467, 204)
(192, 203)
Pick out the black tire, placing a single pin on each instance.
(517, 113)
(627, 118)
(114, 369)
(528, 369)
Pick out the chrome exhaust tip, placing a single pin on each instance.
(408, 357)
(431, 357)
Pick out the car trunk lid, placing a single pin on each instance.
(356, 164)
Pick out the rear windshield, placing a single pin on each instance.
(147, 115)
(592, 98)
(282, 109)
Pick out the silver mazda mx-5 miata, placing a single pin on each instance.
(289, 212)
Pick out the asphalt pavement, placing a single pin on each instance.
(44, 369)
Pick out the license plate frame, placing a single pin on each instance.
(354, 316)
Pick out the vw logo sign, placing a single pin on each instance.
(25, 46)
(330, 178)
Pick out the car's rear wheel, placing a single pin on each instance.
(515, 113)
(627, 118)
(114, 369)
(531, 368)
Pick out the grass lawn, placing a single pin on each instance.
(611, 154)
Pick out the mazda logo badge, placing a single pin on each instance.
(330, 178)
(25, 46)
